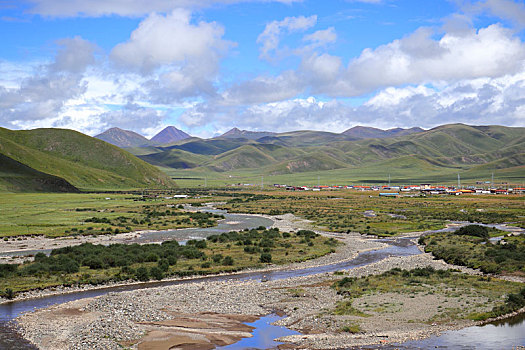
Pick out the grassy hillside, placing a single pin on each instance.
(437, 155)
(17, 177)
(83, 161)
(209, 147)
(175, 158)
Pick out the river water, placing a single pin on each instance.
(505, 335)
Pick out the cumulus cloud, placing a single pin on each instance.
(472, 101)
(43, 95)
(179, 58)
(490, 52)
(264, 89)
(170, 39)
(418, 58)
(515, 11)
(271, 36)
(132, 8)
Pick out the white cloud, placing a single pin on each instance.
(271, 36)
(472, 101)
(322, 37)
(416, 59)
(505, 9)
(489, 52)
(170, 39)
(263, 89)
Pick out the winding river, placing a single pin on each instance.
(504, 335)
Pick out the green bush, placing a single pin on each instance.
(156, 273)
(142, 274)
(266, 258)
(473, 230)
(227, 261)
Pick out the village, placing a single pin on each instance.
(422, 189)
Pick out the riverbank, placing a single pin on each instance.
(132, 317)
(353, 245)
(13, 250)
(149, 317)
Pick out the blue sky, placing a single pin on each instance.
(279, 65)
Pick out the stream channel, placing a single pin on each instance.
(504, 335)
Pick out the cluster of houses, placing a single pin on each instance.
(422, 188)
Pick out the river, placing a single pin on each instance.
(505, 335)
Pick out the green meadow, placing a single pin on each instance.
(54, 215)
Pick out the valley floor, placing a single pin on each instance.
(205, 314)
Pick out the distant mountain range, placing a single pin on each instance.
(58, 160)
(169, 135)
(128, 139)
(245, 134)
(365, 132)
(66, 160)
(445, 149)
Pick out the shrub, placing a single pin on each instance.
(473, 230)
(156, 273)
(200, 244)
(142, 274)
(164, 265)
(228, 261)
(9, 294)
(266, 258)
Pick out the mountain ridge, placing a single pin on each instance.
(450, 147)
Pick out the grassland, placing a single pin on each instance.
(56, 215)
(405, 171)
(365, 212)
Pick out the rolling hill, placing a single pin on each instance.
(446, 149)
(365, 132)
(245, 134)
(80, 160)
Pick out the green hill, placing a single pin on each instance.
(175, 158)
(17, 177)
(209, 147)
(83, 161)
(439, 153)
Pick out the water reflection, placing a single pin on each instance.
(503, 335)
(263, 335)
